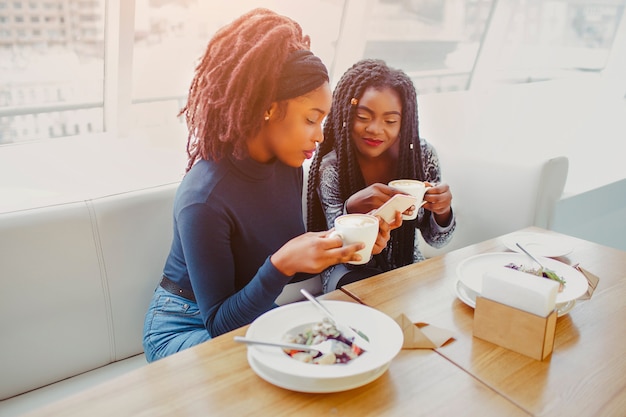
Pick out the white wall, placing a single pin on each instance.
(584, 120)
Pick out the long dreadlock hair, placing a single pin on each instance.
(366, 74)
(236, 82)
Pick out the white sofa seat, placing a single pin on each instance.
(135, 233)
(32, 400)
(53, 314)
(77, 279)
(493, 197)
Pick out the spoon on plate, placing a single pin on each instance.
(531, 256)
(323, 348)
(545, 272)
(363, 339)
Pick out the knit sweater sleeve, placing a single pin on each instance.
(434, 234)
(328, 190)
(206, 232)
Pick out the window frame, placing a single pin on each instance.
(119, 29)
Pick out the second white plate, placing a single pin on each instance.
(470, 272)
(468, 297)
(538, 244)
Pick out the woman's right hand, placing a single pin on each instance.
(313, 252)
(370, 198)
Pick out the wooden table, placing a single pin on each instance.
(584, 376)
(586, 373)
(215, 379)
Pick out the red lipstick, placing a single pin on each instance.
(372, 142)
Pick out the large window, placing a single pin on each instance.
(52, 69)
(53, 53)
(449, 45)
(538, 40)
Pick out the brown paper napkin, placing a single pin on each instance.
(422, 335)
(592, 280)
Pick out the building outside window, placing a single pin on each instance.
(50, 55)
(52, 52)
(547, 40)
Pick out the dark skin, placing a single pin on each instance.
(375, 132)
(291, 138)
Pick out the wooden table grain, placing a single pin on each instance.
(586, 373)
(214, 379)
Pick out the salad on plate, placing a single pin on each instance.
(344, 350)
(540, 272)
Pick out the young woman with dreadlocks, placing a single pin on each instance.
(254, 113)
(371, 137)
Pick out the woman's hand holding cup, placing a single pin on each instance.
(313, 252)
(368, 200)
(415, 188)
(358, 228)
(384, 233)
(438, 199)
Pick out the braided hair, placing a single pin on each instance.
(368, 73)
(236, 81)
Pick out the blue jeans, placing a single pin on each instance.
(172, 324)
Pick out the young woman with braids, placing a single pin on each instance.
(371, 137)
(254, 113)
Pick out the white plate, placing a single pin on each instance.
(538, 244)
(468, 297)
(470, 272)
(314, 385)
(273, 365)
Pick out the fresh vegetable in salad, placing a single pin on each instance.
(540, 272)
(343, 350)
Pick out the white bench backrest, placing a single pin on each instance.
(76, 281)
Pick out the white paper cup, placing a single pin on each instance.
(357, 228)
(412, 187)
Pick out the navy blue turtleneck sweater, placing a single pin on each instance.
(229, 217)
